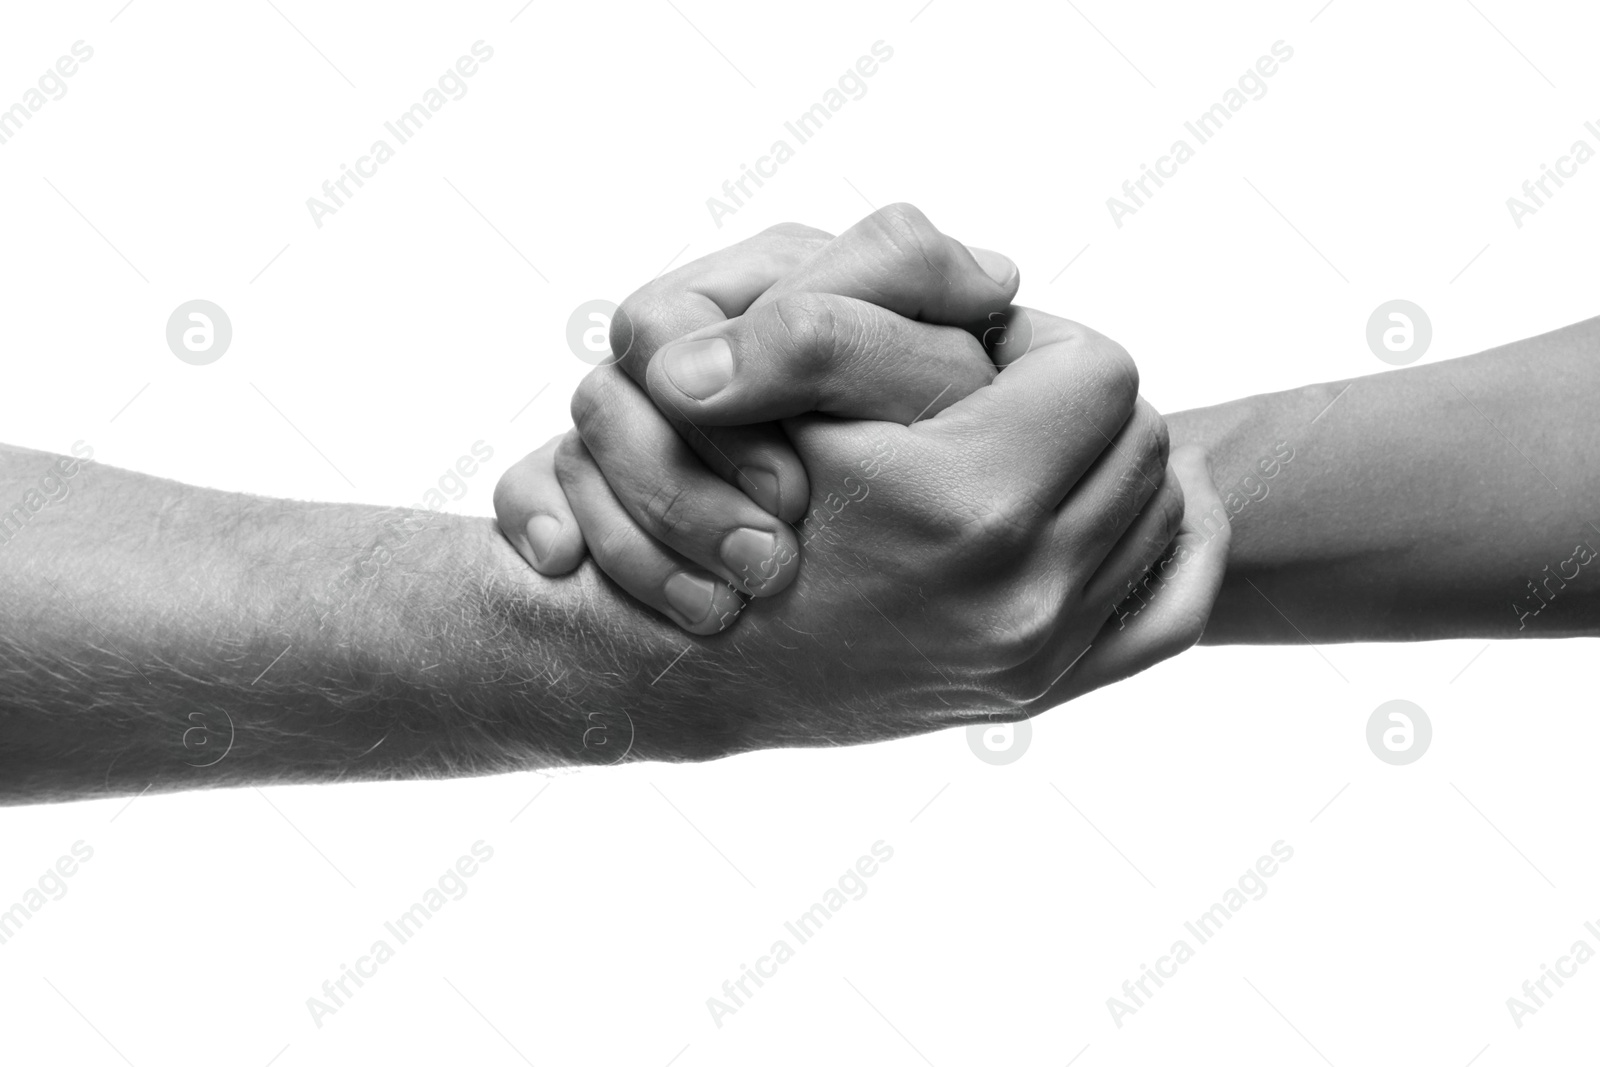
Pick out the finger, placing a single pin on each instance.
(698, 602)
(817, 352)
(662, 484)
(1148, 538)
(1178, 598)
(534, 515)
(702, 293)
(709, 290)
(1100, 518)
(1009, 334)
(897, 259)
(757, 460)
(1047, 417)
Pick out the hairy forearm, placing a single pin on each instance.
(161, 635)
(1456, 499)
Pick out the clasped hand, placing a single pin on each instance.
(870, 483)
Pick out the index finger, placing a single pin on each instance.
(712, 289)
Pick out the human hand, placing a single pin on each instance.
(1005, 479)
(788, 277)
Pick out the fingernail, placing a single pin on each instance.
(763, 486)
(999, 268)
(751, 555)
(542, 530)
(699, 368)
(690, 597)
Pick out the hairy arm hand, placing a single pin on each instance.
(162, 635)
(1456, 499)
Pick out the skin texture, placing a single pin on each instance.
(153, 627)
(1454, 499)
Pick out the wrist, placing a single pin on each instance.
(523, 670)
(1260, 447)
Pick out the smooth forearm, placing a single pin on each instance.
(159, 634)
(1456, 499)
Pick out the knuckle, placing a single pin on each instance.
(906, 218)
(797, 230)
(1143, 491)
(648, 319)
(645, 305)
(588, 403)
(910, 234)
(669, 511)
(570, 458)
(1031, 619)
(612, 548)
(1160, 439)
(1159, 525)
(1119, 374)
(1106, 528)
(636, 317)
(990, 529)
(623, 334)
(804, 328)
(1151, 441)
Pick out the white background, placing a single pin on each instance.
(416, 322)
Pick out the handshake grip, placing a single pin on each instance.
(982, 477)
